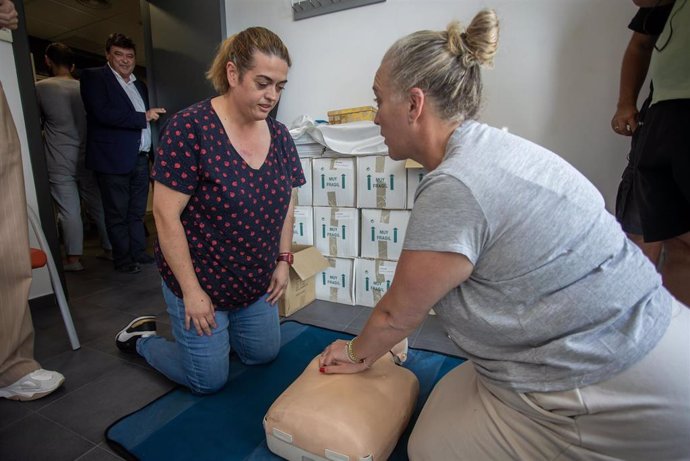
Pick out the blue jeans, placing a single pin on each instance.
(202, 363)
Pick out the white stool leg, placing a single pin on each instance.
(55, 280)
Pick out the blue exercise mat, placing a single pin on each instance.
(228, 425)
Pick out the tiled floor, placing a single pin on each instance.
(102, 384)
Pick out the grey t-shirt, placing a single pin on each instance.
(64, 124)
(559, 298)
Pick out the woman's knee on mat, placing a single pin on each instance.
(257, 342)
(264, 353)
(208, 380)
(206, 370)
(208, 388)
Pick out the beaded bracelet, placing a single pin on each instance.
(351, 353)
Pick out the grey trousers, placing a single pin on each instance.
(16, 328)
(643, 413)
(68, 191)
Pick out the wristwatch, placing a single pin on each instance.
(287, 257)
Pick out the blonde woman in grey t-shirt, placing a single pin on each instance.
(575, 349)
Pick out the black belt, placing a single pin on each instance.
(144, 153)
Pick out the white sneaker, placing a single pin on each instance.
(33, 386)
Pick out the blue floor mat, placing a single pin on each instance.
(228, 425)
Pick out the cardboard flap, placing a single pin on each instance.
(308, 262)
(409, 163)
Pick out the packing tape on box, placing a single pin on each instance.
(332, 199)
(333, 291)
(382, 244)
(333, 295)
(331, 195)
(333, 240)
(381, 191)
(380, 281)
(382, 249)
(385, 216)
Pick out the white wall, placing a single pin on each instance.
(555, 79)
(8, 76)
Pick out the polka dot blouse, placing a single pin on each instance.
(235, 213)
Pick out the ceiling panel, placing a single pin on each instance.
(42, 28)
(70, 18)
(81, 43)
(80, 26)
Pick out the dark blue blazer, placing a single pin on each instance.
(113, 131)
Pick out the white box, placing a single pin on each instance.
(336, 231)
(303, 229)
(333, 181)
(304, 192)
(307, 146)
(335, 284)
(309, 150)
(373, 277)
(414, 177)
(381, 182)
(383, 233)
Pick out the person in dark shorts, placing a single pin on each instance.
(646, 25)
(662, 151)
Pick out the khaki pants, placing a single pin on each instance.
(16, 329)
(643, 413)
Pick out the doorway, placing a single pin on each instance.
(83, 26)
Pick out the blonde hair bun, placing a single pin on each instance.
(445, 64)
(477, 44)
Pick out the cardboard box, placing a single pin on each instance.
(333, 181)
(303, 229)
(409, 163)
(301, 289)
(414, 177)
(373, 277)
(336, 231)
(352, 114)
(381, 182)
(304, 192)
(383, 233)
(336, 282)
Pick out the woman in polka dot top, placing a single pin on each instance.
(224, 174)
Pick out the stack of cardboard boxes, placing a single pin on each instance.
(354, 211)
